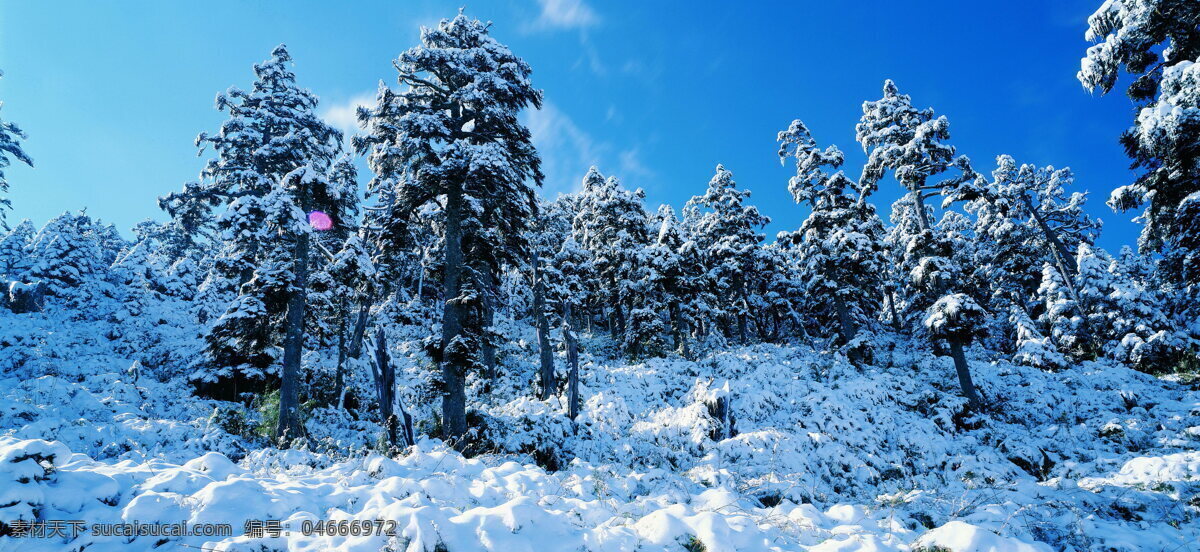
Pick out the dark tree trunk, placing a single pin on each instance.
(964, 373)
(488, 349)
(678, 329)
(1066, 266)
(454, 354)
(847, 329)
(354, 350)
(572, 363)
(290, 426)
(385, 386)
(891, 301)
(618, 319)
(340, 375)
(545, 355)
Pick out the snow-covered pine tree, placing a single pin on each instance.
(70, 257)
(140, 289)
(332, 296)
(1158, 43)
(680, 269)
(354, 281)
(1032, 347)
(454, 132)
(306, 189)
(1130, 319)
(272, 131)
(656, 267)
(1024, 219)
(14, 252)
(612, 224)
(910, 142)
(728, 232)
(550, 228)
(10, 148)
(839, 247)
(567, 277)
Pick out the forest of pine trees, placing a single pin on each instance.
(290, 270)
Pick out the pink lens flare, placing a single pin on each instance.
(320, 221)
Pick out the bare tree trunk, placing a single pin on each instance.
(964, 374)
(454, 356)
(360, 329)
(545, 355)
(290, 426)
(385, 386)
(572, 363)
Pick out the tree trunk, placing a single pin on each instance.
(891, 301)
(1066, 265)
(964, 373)
(454, 356)
(847, 330)
(677, 329)
(290, 426)
(956, 348)
(572, 363)
(385, 386)
(545, 356)
(340, 375)
(618, 314)
(923, 222)
(488, 349)
(360, 329)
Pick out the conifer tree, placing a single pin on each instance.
(453, 132)
(14, 251)
(10, 148)
(910, 143)
(1157, 42)
(612, 224)
(728, 232)
(840, 245)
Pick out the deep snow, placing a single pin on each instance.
(826, 457)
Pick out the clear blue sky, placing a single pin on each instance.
(113, 94)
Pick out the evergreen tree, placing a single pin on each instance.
(1025, 219)
(612, 224)
(68, 255)
(1032, 347)
(910, 142)
(1158, 43)
(840, 249)
(272, 156)
(10, 148)
(14, 251)
(728, 232)
(454, 132)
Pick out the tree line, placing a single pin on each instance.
(449, 231)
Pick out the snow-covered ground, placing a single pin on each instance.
(826, 457)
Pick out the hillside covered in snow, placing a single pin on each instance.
(819, 455)
(393, 341)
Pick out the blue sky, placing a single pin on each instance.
(113, 94)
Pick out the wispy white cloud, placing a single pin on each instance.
(630, 163)
(565, 14)
(566, 150)
(344, 116)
